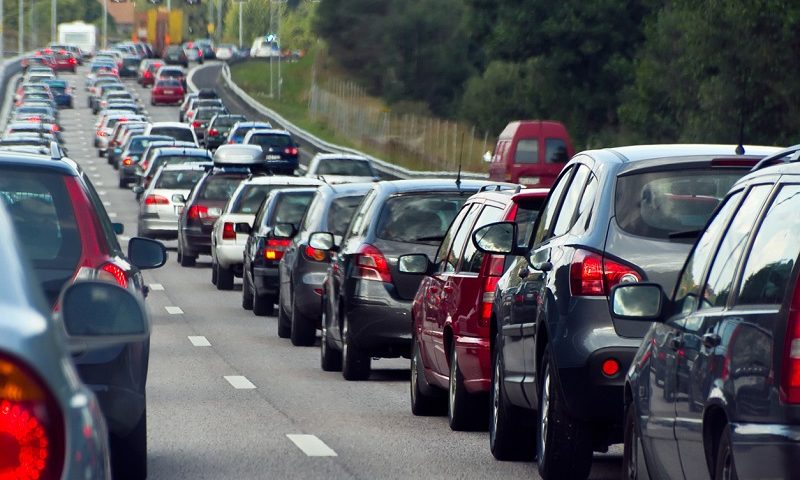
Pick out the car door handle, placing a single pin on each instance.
(676, 343)
(711, 340)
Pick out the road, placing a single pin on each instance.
(201, 426)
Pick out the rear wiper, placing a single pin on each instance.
(686, 234)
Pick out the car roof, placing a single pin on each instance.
(637, 153)
(250, 123)
(186, 166)
(283, 180)
(171, 124)
(344, 189)
(430, 185)
(185, 151)
(44, 162)
(268, 131)
(349, 156)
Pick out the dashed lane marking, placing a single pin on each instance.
(112, 215)
(239, 382)
(199, 341)
(311, 445)
(156, 287)
(174, 310)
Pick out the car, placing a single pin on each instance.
(201, 118)
(193, 54)
(341, 168)
(239, 130)
(36, 128)
(168, 72)
(530, 152)
(451, 360)
(102, 89)
(175, 55)
(64, 61)
(179, 131)
(158, 213)
(106, 127)
(614, 216)
(724, 342)
(33, 60)
(66, 233)
(187, 101)
(198, 102)
(225, 52)
(281, 152)
(227, 245)
(130, 168)
(302, 269)
(218, 128)
(147, 72)
(170, 152)
(117, 138)
(62, 92)
(169, 91)
(366, 303)
(130, 66)
(204, 205)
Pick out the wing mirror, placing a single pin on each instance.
(178, 198)
(637, 301)
(98, 313)
(414, 263)
(322, 241)
(498, 238)
(146, 253)
(284, 230)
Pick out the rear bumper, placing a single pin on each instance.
(266, 280)
(197, 243)
(381, 326)
(307, 294)
(475, 363)
(167, 98)
(229, 255)
(766, 451)
(159, 227)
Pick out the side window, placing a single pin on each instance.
(583, 215)
(527, 213)
(447, 241)
(460, 239)
(775, 250)
(472, 256)
(556, 151)
(687, 291)
(527, 151)
(566, 217)
(721, 276)
(546, 218)
(355, 227)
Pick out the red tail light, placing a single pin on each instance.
(495, 271)
(197, 212)
(315, 254)
(290, 151)
(113, 273)
(591, 274)
(128, 161)
(372, 265)
(72, 61)
(790, 381)
(213, 132)
(54, 128)
(31, 425)
(196, 124)
(155, 200)
(147, 74)
(190, 114)
(228, 232)
(275, 248)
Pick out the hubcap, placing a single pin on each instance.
(495, 399)
(451, 398)
(545, 416)
(727, 469)
(414, 375)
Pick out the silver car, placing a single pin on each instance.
(158, 212)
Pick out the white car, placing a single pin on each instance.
(181, 132)
(224, 52)
(105, 127)
(158, 210)
(342, 168)
(227, 245)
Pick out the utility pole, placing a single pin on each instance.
(2, 30)
(280, 49)
(218, 29)
(269, 33)
(105, 24)
(240, 22)
(53, 19)
(21, 29)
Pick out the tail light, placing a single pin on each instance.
(54, 128)
(196, 124)
(147, 74)
(790, 381)
(290, 151)
(489, 287)
(197, 212)
(372, 265)
(127, 162)
(228, 232)
(101, 133)
(213, 132)
(190, 113)
(275, 248)
(31, 424)
(72, 61)
(155, 200)
(315, 254)
(592, 274)
(610, 367)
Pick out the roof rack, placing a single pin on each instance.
(500, 187)
(784, 156)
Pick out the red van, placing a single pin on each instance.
(531, 152)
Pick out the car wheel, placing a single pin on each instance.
(632, 457)
(131, 461)
(725, 468)
(511, 429)
(213, 271)
(264, 306)
(565, 443)
(464, 410)
(355, 363)
(185, 259)
(330, 359)
(224, 278)
(122, 183)
(247, 293)
(303, 329)
(425, 401)
(284, 322)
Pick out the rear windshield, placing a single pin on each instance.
(657, 204)
(241, 131)
(251, 197)
(291, 207)
(130, 61)
(179, 179)
(177, 159)
(226, 121)
(341, 212)
(140, 144)
(270, 140)
(344, 166)
(220, 187)
(171, 73)
(527, 151)
(178, 133)
(418, 218)
(205, 113)
(168, 84)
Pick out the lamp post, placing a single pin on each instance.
(53, 19)
(2, 32)
(21, 29)
(105, 24)
(240, 22)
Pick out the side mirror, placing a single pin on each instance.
(498, 238)
(284, 230)
(117, 151)
(637, 301)
(178, 198)
(243, 227)
(98, 312)
(415, 263)
(214, 212)
(119, 228)
(321, 241)
(146, 253)
(138, 189)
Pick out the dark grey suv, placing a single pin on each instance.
(617, 215)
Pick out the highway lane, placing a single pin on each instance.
(201, 426)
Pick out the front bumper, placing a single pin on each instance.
(766, 451)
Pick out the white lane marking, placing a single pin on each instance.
(239, 382)
(156, 287)
(199, 341)
(106, 203)
(311, 445)
(99, 184)
(174, 310)
(101, 192)
(92, 169)
(90, 162)
(95, 175)
(112, 215)
(124, 238)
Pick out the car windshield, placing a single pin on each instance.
(206, 113)
(220, 187)
(344, 166)
(418, 218)
(179, 179)
(290, 207)
(178, 133)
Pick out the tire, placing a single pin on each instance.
(633, 463)
(184, 259)
(564, 448)
(303, 331)
(122, 183)
(264, 306)
(355, 363)
(284, 322)
(130, 463)
(512, 430)
(465, 411)
(425, 401)
(224, 278)
(247, 294)
(330, 359)
(725, 468)
(213, 271)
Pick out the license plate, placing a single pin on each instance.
(168, 92)
(273, 157)
(529, 180)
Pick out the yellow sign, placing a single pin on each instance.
(210, 27)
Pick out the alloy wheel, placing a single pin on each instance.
(544, 415)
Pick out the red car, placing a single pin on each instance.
(148, 76)
(452, 310)
(64, 61)
(167, 91)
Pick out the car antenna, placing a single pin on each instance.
(460, 156)
(740, 147)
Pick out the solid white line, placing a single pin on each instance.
(174, 310)
(199, 341)
(239, 382)
(311, 445)
(156, 287)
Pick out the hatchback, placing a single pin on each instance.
(175, 55)
(167, 91)
(179, 131)
(281, 152)
(341, 168)
(160, 153)
(201, 118)
(158, 211)
(240, 129)
(130, 168)
(218, 128)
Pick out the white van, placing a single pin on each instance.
(263, 48)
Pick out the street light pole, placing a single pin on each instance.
(2, 30)
(240, 22)
(53, 19)
(105, 24)
(21, 28)
(270, 48)
(280, 49)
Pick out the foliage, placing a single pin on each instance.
(295, 24)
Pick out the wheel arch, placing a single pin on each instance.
(715, 418)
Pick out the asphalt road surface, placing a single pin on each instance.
(228, 399)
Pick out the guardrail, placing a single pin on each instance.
(326, 147)
(8, 69)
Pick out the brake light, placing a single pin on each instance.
(196, 124)
(54, 128)
(610, 367)
(197, 212)
(489, 288)
(290, 150)
(72, 61)
(31, 425)
(155, 200)
(790, 381)
(127, 162)
(315, 254)
(112, 273)
(275, 248)
(190, 113)
(213, 132)
(101, 133)
(228, 233)
(591, 274)
(147, 74)
(372, 265)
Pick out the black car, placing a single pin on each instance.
(269, 237)
(725, 344)
(130, 167)
(366, 303)
(175, 55)
(614, 216)
(303, 268)
(201, 118)
(281, 152)
(130, 66)
(217, 129)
